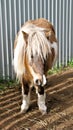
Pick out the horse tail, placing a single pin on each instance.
(19, 55)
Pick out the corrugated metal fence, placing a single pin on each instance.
(13, 13)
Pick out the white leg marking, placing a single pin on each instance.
(41, 103)
(25, 102)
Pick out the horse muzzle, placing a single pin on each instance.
(40, 81)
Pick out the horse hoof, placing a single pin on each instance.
(23, 111)
(43, 110)
(24, 108)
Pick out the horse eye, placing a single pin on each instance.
(32, 56)
(48, 37)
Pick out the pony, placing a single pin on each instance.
(35, 52)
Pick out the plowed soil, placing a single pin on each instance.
(59, 103)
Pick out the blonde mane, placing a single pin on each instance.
(37, 45)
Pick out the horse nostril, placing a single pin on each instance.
(38, 82)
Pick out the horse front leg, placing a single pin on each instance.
(41, 99)
(25, 96)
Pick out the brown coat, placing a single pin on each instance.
(49, 29)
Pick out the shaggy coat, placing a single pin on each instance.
(35, 52)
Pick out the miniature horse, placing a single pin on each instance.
(35, 52)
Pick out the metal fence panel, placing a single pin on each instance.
(14, 13)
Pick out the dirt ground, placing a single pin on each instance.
(59, 103)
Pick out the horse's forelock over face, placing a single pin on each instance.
(37, 64)
(36, 51)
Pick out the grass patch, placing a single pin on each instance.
(56, 70)
(70, 63)
(5, 84)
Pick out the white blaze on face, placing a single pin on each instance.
(44, 80)
(37, 76)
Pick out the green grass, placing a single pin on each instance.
(70, 63)
(4, 84)
(56, 70)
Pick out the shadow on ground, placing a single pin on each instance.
(59, 101)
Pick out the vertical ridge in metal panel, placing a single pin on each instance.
(6, 38)
(56, 24)
(44, 8)
(56, 17)
(63, 34)
(59, 32)
(28, 9)
(52, 15)
(15, 19)
(70, 24)
(36, 8)
(32, 9)
(49, 10)
(41, 8)
(24, 10)
(11, 37)
(2, 45)
(19, 13)
(66, 51)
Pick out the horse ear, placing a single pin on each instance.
(25, 35)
